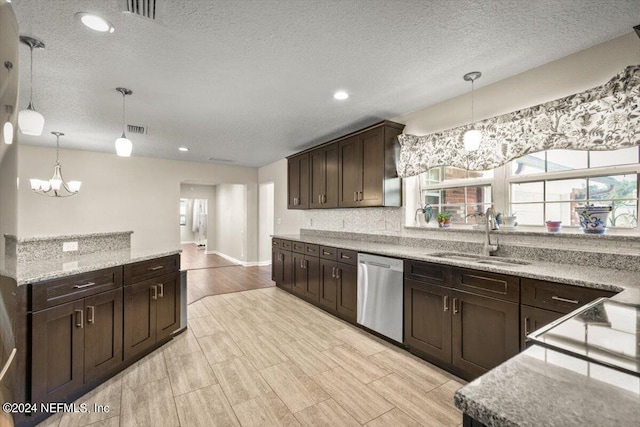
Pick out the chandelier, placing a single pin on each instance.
(56, 186)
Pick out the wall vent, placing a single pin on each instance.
(217, 160)
(143, 8)
(140, 130)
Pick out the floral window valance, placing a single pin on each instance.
(606, 117)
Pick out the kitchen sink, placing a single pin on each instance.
(478, 259)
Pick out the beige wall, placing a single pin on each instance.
(286, 221)
(137, 193)
(231, 221)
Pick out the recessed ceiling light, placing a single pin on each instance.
(183, 149)
(341, 95)
(95, 22)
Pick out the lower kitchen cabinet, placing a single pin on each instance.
(328, 285)
(485, 332)
(306, 276)
(347, 301)
(75, 344)
(151, 312)
(532, 319)
(339, 284)
(281, 268)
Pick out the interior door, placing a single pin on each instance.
(139, 317)
(350, 172)
(168, 305)
(103, 334)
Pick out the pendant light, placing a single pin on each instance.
(30, 121)
(56, 186)
(472, 137)
(123, 145)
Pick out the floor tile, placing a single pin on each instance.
(261, 352)
(52, 421)
(307, 357)
(326, 414)
(257, 315)
(197, 309)
(279, 332)
(357, 399)
(395, 418)
(224, 313)
(241, 330)
(183, 343)
(422, 374)
(297, 390)
(150, 405)
(109, 422)
(265, 410)
(319, 337)
(354, 362)
(203, 326)
(418, 405)
(239, 380)
(148, 369)
(219, 347)
(359, 341)
(204, 408)
(190, 372)
(108, 395)
(214, 301)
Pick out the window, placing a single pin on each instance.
(183, 212)
(549, 185)
(457, 191)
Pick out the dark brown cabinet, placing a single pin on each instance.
(298, 182)
(281, 268)
(532, 319)
(151, 312)
(306, 276)
(74, 344)
(347, 301)
(323, 179)
(339, 282)
(328, 285)
(356, 170)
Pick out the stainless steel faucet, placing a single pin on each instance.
(490, 224)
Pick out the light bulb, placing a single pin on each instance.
(123, 146)
(30, 121)
(472, 139)
(7, 131)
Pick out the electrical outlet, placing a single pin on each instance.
(69, 246)
(279, 221)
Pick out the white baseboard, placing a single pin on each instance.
(237, 261)
(188, 242)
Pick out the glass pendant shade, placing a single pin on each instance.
(7, 131)
(123, 146)
(471, 140)
(30, 121)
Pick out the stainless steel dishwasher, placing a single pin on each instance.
(380, 295)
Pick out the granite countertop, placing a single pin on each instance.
(542, 387)
(579, 275)
(36, 271)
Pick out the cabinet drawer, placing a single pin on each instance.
(489, 284)
(311, 250)
(276, 243)
(285, 244)
(347, 257)
(149, 269)
(298, 247)
(427, 272)
(58, 291)
(558, 297)
(328, 252)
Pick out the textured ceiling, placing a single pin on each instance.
(252, 81)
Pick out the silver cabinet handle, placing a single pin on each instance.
(445, 302)
(355, 196)
(324, 198)
(154, 295)
(79, 318)
(91, 314)
(455, 308)
(326, 253)
(570, 301)
(333, 272)
(526, 326)
(360, 196)
(319, 198)
(86, 285)
(161, 287)
(338, 271)
(343, 256)
(306, 263)
(156, 268)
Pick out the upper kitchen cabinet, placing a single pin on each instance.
(324, 177)
(298, 182)
(356, 170)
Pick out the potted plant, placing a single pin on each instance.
(444, 219)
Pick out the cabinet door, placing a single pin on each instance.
(350, 172)
(347, 303)
(427, 319)
(57, 352)
(287, 269)
(331, 177)
(139, 318)
(328, 284)
(168, 305)
(298, 180)
(275, 265)
(532, 319)
(298, 276)
(103, 334)
(485, 332)
(317, 165)
(312, 269)
(372, 178)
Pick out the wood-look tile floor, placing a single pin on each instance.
(266, 358)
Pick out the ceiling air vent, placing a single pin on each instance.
(217, 160)
(140, 130)
(143, 8)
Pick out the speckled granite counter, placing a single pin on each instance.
(36, 271)
(542, 387)
(579, 275)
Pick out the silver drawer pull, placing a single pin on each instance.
(570, 301)
(345, 256)
(91, 314)
(326, 253)
(161, 287)
(157, 267)
(445, 303)
(86, 285)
